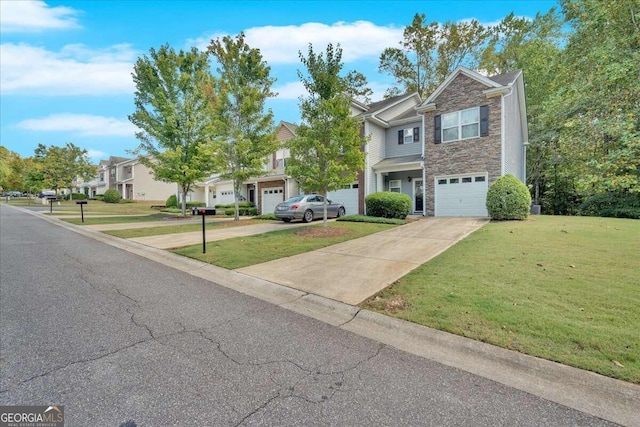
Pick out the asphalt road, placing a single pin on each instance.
(121, 340)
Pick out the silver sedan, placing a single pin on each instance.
(307, 208)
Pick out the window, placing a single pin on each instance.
(466, 179)
(408, 136)
(442, 182)
(454, 181)
(395, 186)
(101, 176)
(480, 178)
(463, 124)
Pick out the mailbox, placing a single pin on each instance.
(81, 202)
(205, 211)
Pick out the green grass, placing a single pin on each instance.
(244, 251)
(179, 228)
(98, 207)
(562, 288)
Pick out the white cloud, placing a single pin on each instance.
(96, 154)
(74, 70)
(82, 124)
(291, 90)
(26, 16)
(280, 45)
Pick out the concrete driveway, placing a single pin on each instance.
(353, 271)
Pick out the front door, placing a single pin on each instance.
(418, 203)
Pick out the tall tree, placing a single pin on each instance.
(173, 114)
(429, 52)
(244, 130)
(61, 166)
(327, 151)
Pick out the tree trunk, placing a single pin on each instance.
(236, 195)
(184, 201)
(324, 209)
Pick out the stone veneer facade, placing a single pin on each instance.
(475, 155)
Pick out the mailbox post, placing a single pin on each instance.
(205, 212)
(51, 200)
(81, 203)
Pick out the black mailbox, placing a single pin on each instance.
(205, 211)
(81, 202)
(52, 198)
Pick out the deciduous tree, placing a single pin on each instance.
(60, 166)
(244, 134)
(174, 116)
(327, 151)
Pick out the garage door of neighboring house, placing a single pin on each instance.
(461, 195)
(224, 195)
(270, 198)
(348, 197)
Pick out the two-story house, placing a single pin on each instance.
(135, 181)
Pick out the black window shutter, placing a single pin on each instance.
(416, 134)
(484, 120)
(400, 137)
(437, 131)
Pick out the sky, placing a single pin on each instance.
(65, 66)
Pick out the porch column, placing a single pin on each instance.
(206, 196)
(379, 181)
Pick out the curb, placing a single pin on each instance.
(594, 394)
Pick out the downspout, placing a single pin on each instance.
(424, 172)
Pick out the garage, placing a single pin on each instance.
(270, 198)
(348, 196)
(224, 194)
(461, 195)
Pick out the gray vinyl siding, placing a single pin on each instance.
(393, 149)
(513, 148)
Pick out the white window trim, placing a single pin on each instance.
(459, 125)
(407, 133)
(395, 183)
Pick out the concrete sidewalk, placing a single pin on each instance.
(169, 241)
(352, 271)
(161, 223)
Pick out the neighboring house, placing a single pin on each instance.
(476, 131)
(106, 176)
(265, 191)
(135, 181)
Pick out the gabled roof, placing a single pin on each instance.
(409, 114)
(487, 81)
(506, 79)
(291, 127)
(379, 106)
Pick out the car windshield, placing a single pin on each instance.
(294, 199)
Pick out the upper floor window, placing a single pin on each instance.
(101, 176)
(409, 136)
(463, 124)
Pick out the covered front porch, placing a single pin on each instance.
(403, 175)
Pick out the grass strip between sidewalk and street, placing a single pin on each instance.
(561, 288)
(244, 251)
(121, 219)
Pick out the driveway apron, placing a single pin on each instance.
(353, 271)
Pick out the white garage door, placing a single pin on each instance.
(348, 197)
(270, 198)
(462, 195)
(224, 194)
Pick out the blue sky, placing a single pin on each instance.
(65, 66)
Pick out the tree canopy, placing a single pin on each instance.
(61, 166)
(244, 134)
(174, 116)
(327, 152)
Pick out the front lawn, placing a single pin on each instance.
(562, 288)
(122, 219)
(179, 228)
(244, 251)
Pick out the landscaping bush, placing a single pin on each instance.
(112, 196)
(508, 198)
(615, 205)
(75, 196)
(172, 201)
(193, 205)
(232, 205)
(243, 211)
(371, 219)
(269, 216)
(387, 204)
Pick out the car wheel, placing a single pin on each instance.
(286, 219)
(308, 216)
(340, 212)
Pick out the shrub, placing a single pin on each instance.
(194, 205)
(232, 205)
(270, 216)
(611, 204)
(75, 196)
(172, 201)
(508, 198)
(111, 196)
(245, 211)
(387, 204)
